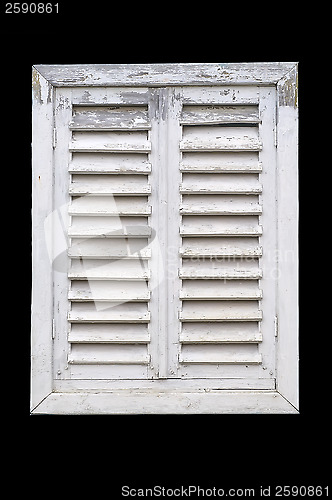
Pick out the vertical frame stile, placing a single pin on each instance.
(42, 286)
(173, 223)
(61, 218)
(158, 306)
(268, 220)
(287, 192)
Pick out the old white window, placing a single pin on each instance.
(165, 239)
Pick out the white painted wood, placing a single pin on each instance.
(211, 138)
(103, 372)
(120, 333)
(215, 225)
(268, 222)
(233, 310)
(122, 270)
(109, 163)
(109, 118)
(209, 346)
(106, 291)
(193, 273)
(62, 156)
(108, 227)
(215, 333)
(165, 134)
(262, 73)
(221, 95)
(220, 247)
(220, 183)
(220, 354)
(104, 206)
(287, 164)
(217, 289)
(209, 204)
(121, 185)
(175, 385)
(147, 402)
(220, 161)
(108, 354)
(41, 296)
(209, 115)
(115, 141)
(110, 96)
(118, 313)
(100, 248)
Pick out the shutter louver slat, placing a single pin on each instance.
(109, 233)
(220, 233)
(110, 118)
(93, 141)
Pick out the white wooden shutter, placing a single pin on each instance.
(108, 230)
(162, 231)
(221, 208)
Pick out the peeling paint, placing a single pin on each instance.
(36, 86)
(288, 89)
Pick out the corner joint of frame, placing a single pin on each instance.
(34, 408)
(287, 88)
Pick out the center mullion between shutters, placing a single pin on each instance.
(164, 111)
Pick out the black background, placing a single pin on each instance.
(236, 451)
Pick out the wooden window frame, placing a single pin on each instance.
(284, 399)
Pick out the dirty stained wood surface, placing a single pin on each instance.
(165, 74)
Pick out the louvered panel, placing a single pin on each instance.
(109, 230)
(90, 205)
(117, 185)
(119, 141)
(110, 118)
(221, 161)
(101, 248)
(109, 163)
(207, 138)
(220, 230)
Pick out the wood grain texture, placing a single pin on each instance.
(165, 74)
(165, 402)
(42, 292)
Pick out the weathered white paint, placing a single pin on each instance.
(165, 74)
(129, 135)
(153, 401)
(42, 289)
(287, 193)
